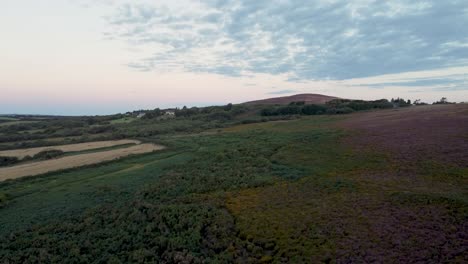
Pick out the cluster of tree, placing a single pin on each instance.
(443, 100)
(294, 109)
(151, 114)
(419, 102)
(400, 102)
(361, 105)
(337, 106)
(208, 112)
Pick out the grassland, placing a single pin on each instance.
(123, 120)
(16, 122)
(309, 190)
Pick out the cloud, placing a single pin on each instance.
(283, 92)
(307, 40)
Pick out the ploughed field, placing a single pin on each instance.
(387, 186)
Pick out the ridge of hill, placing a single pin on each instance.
(307, 98)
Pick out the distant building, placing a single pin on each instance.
(140, 115)
(169, 113)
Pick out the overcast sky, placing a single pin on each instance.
(104, 56)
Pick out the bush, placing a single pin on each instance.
(48, 154)
(7, 161)
(313, 109)
(220, 116)
(340, 111)
(270, 111)
(3, 199)
(290, 110)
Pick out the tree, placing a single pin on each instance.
(313, 109)
(443, 100)
(228, 107)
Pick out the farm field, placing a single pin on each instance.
(21, 153)
(386, 186)
(41, 167)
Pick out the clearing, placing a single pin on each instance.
(68, 162)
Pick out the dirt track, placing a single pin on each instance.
(21, 153)
(42, 167)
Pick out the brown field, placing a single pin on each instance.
(21, 153)
(42, 167)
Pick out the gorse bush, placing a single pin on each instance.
(7, 161)
(48, 154)
(313, 109)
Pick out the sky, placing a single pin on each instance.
(89, 57)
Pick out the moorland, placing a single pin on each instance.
(278, 181)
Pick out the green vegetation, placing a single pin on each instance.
(337, 106)
(123, 120)
(43, 155)
(7, 161)
(443, 100)
(233, 187)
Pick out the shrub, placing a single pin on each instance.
(3, 199)
(313, 109)
(270, 111)
(6, 161)
(220, 116)
(290, 110)
(48, 154)
(340, 111)
(344, 110)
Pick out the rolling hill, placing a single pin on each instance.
(307, 98)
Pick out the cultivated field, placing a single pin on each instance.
(21, 153)
(42, 167)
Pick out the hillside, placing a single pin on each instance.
(307, 98)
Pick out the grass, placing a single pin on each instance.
(124, 120)
(5, 118)
(16, 122)
(74, 153)
(60, 194)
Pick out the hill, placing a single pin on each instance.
(307, 98)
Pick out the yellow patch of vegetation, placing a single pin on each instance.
(21, 153)
(41, 167)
